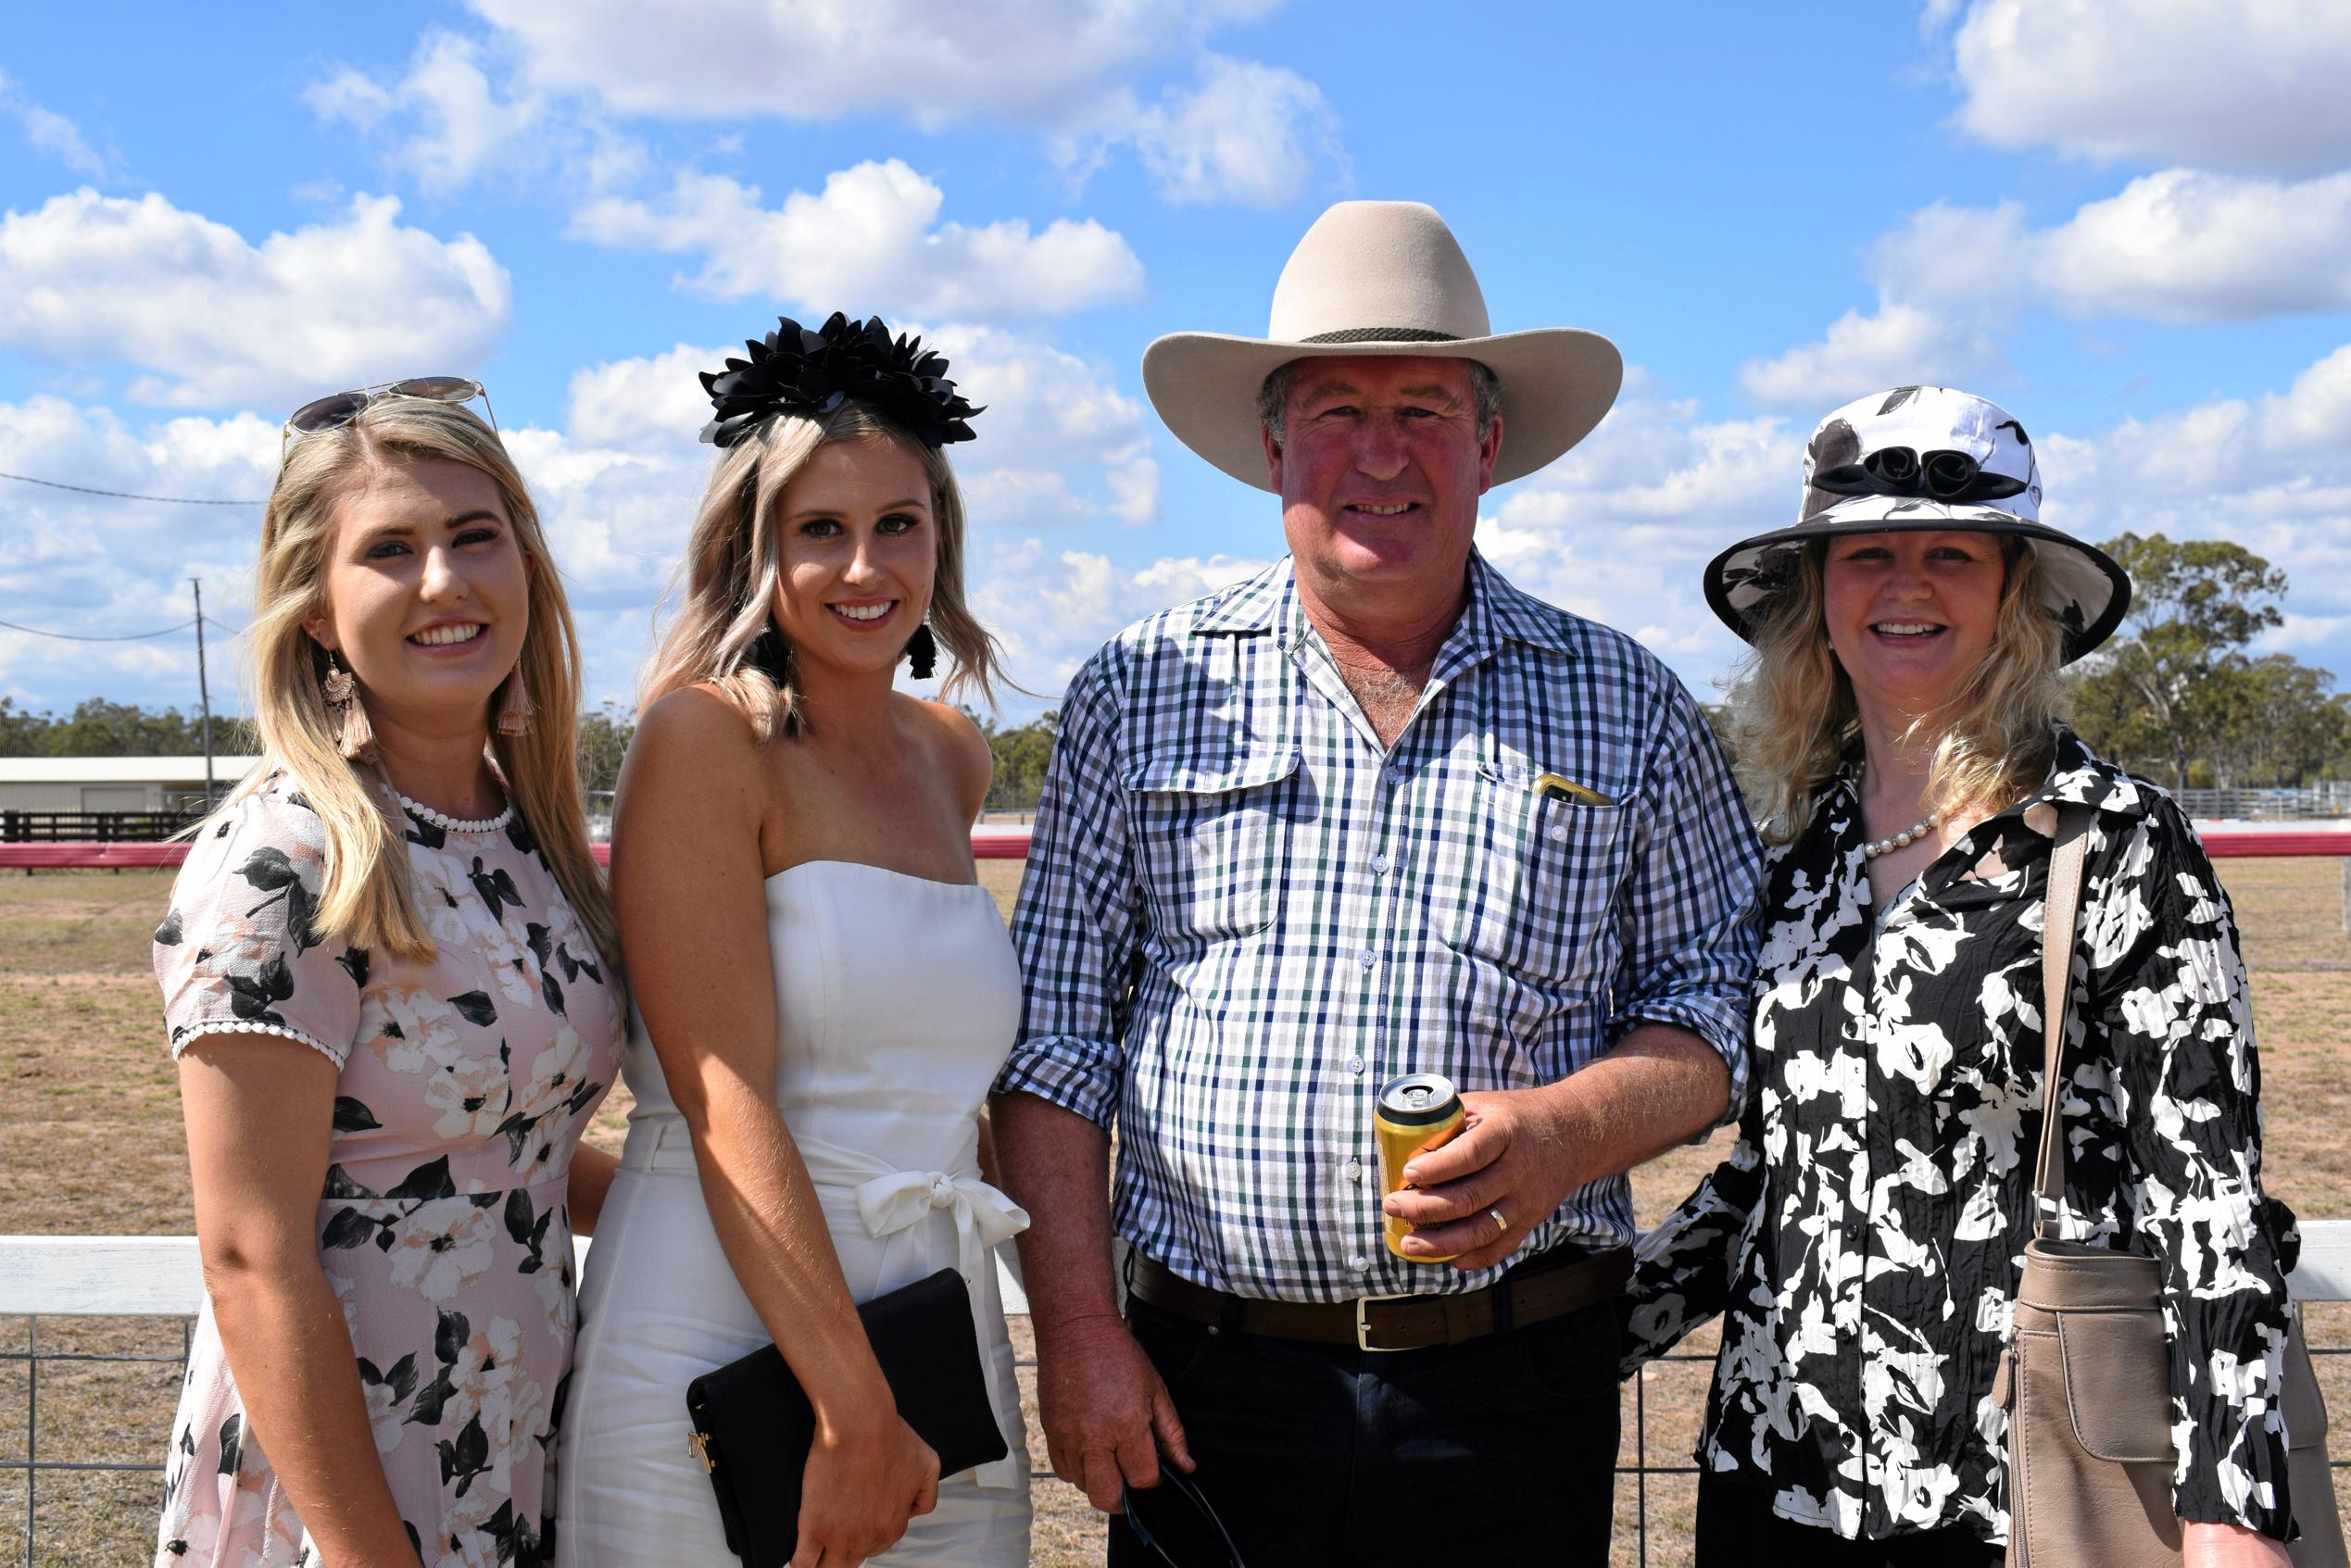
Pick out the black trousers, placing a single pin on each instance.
(1499, 1451)
(1737, 1529)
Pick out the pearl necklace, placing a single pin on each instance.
(1901, 840)
(458, 824)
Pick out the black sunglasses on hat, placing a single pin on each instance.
(337, 409)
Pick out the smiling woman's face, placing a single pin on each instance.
(857, 551)
(1911, 616)
(426, 591)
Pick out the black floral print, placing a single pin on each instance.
(1864, 1237)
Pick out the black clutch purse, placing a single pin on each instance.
(753, 1426)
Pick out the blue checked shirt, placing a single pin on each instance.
(1242, 915)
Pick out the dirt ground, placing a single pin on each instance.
(89, 1143)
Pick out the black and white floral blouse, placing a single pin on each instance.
(1864, 1237)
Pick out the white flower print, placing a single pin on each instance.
(385, 1415)
(560, 1303)
(546, 1144)
(486, 1363)
(471, 1098)
(556, 1073)
(442, 1246)
(510, 1416)
(410, 1029)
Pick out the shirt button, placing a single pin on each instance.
(1394, 775)
(1559, 832)
(1355, 1170)
(1355, 1065)
(1359, 1262)
(1379, 865)
(1368, 958)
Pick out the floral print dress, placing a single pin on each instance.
(465, 1084)
(1864, 1239)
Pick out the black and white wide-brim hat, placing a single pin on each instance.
(1925, 458)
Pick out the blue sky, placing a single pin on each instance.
(2129, 221)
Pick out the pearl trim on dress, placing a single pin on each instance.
(247, 1026)
(458, 824)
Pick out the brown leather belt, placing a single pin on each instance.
(1550, 1287)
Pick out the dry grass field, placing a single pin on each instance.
(90, 1142)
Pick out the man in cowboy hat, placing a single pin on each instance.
(1371, 812)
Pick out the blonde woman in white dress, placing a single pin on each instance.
(825, 992)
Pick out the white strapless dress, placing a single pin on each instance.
(896, 1000)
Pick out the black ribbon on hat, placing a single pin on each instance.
(1901, 470)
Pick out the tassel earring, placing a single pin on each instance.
(354, 736)
(921, 652)
(516, 712)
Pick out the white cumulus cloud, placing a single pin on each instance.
(2184, 245)
(2175, 245)
(101, 567)
(462, 125)
(1029, 61)
(1245, 133)
(213, 320)
(872, 234)
(2251, 86)
(47, 132)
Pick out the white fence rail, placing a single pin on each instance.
(159, 1276)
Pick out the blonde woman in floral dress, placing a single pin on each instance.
(388, 976)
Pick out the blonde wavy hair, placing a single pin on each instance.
(725, 589)
(1792, 712)
(368, 898)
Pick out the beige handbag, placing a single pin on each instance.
(2086, 1380)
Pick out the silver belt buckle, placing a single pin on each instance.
(1363, 1327)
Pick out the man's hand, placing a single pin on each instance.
(1106, 1414)
(1513, 1158)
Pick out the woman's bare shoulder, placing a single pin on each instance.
(694, 745)
(697, 725)
(961, 750)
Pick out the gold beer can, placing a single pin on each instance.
(1416, 1111)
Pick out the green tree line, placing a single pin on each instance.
(97, 727)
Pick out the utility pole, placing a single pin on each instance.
(204, 693)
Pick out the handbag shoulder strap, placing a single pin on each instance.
(2060, 918)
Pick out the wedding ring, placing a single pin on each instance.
(1502, 1226)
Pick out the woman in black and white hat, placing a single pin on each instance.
(1896, 730)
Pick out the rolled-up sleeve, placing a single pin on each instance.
(1077, 926)
(2170, 991)
(1691, 900)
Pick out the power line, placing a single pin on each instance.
(124, 494)
(74, 638)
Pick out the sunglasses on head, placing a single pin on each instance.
(1175, 1521)
(340, 409)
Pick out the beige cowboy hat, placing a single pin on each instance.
(1381, 278)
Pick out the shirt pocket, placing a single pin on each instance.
(1531, 886)
(1209, 841)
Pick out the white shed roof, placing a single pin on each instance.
(121, 770)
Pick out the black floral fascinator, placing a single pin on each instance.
(814, 372)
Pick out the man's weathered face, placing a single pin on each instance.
(1380, 467)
